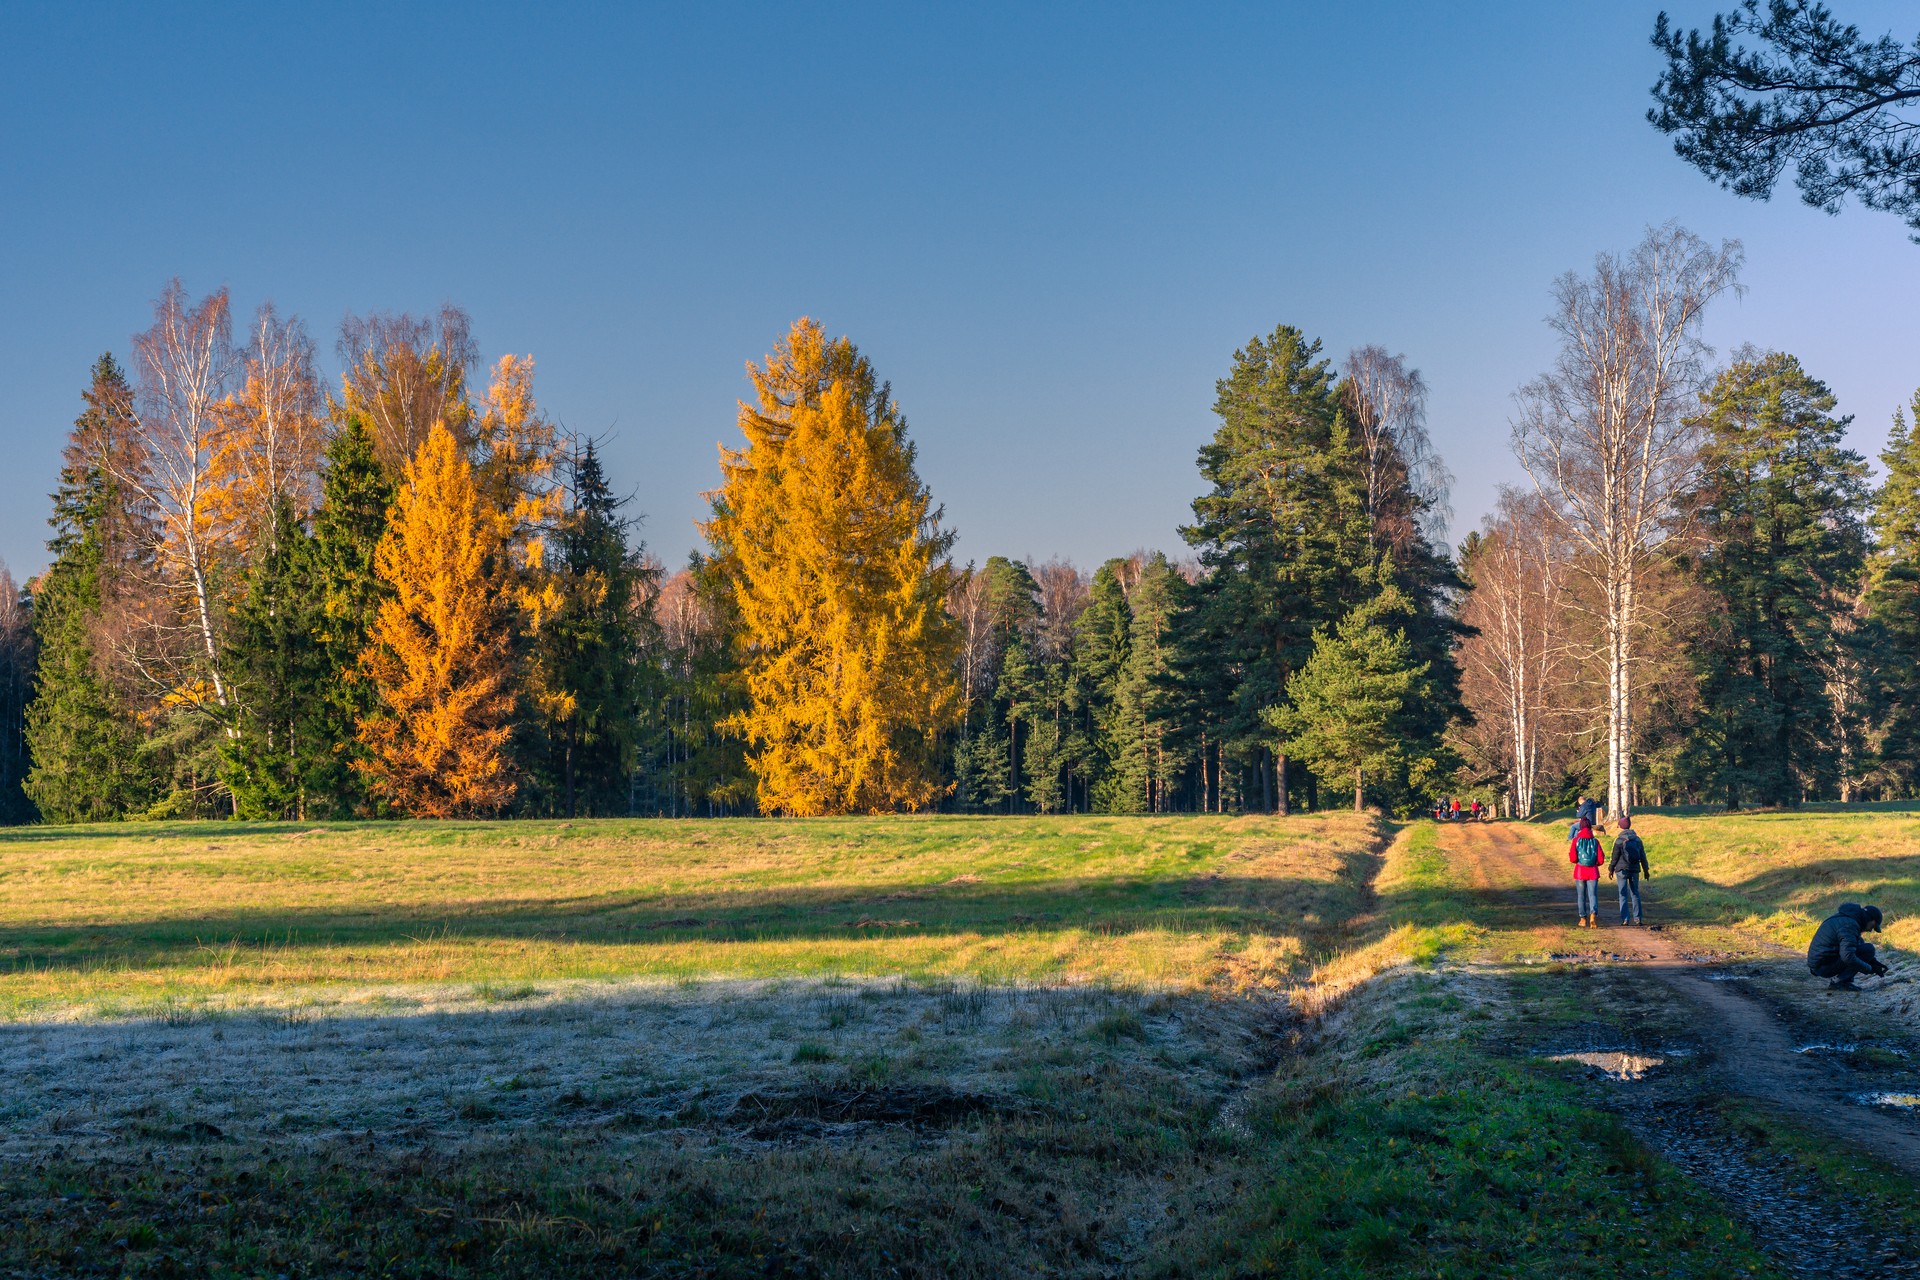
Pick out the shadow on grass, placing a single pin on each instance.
(1313, 910)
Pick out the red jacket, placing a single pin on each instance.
(1573, 856)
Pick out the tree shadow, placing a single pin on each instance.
(1314, 910)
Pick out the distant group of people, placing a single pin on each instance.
(1626, 862)
(1838, 952)
(1450, 810)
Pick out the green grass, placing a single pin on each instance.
(916, 1047)
(1768, 877)
(128, 916)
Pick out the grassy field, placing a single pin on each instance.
(129, 919)
(1770, 877)
(1188, 1046)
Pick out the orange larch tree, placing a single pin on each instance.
(440, 654)
(839, 570)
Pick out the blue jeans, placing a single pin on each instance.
(1629, 887)
(1586, 897)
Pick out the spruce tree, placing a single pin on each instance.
(1130, 673)
(1893, 597)
(1780, 507)
(282, 744)
(81, 733)
(1101, 639)
(355, 495)
(1017, 675)
(584, 669)
(16, 691)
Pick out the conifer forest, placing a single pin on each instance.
(406, 592)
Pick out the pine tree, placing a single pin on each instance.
(1349, 708)
(81, 732)
(585, 672)
(1283, 528)
(439, 651)
(283, 741)
(348, 526)
(1893, 596)
(839, 573)
(1780, 507)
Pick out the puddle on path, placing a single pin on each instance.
(1847, 1047)
(1891, 1101)
(1617, 1065)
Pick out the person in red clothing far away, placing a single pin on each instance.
(1583, 851)
(1456, 811)
(1476, 811)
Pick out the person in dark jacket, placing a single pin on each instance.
(1588, 812)
(1626, 866)
(1838, 952)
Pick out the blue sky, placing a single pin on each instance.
(1049, 226)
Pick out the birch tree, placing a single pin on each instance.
(405, 373)
(1606, 438)
(1515, 664)
(270, 448)
(1407, 483)
(185, 362)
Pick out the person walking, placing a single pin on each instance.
(1584, 853)
(1626, 866)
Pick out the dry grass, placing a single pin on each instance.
(1755, 882)
(918, 1047)
(949, 1048)
(116, 920)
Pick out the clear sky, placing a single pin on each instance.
(1048, 225)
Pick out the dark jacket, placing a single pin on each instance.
(1837, 938)
(1629, 856)
(1588, 812)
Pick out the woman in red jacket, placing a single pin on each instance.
(1583, 851)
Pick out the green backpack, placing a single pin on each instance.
(1587, 851)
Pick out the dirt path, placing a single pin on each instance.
(1747, 1046)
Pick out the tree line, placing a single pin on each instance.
(1700, 598)
(412, 594)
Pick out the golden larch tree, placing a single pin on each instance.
(439, 654)
(514, 450)
(839, 572)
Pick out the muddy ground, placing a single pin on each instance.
(1680, 1031)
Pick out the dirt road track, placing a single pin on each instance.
(1749, 1048)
